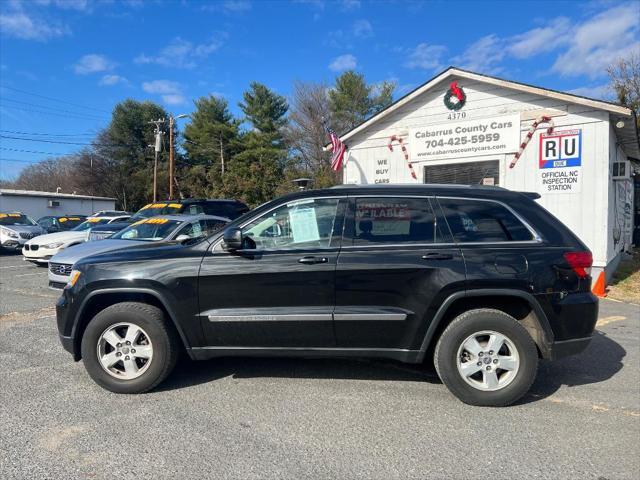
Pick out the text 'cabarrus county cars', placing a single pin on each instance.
(482, 280)
(163, 228)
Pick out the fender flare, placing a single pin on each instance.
(148, 291)
(543, 321)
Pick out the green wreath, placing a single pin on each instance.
(459, 95)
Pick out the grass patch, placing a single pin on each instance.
(625, 284)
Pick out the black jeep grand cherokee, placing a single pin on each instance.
(481, 279)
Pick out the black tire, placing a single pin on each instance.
(467, 324)
(152, 320)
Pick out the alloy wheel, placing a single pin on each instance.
(488, 360)
(124, 350)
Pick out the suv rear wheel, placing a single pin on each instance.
(486, 358)
(128, 348)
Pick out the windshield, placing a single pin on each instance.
(15, 219)
(154, 209)
(149, 230)
(67, 223)
(90, 223)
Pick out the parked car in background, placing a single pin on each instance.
(15, 229)
(480, 279)
(40, 249)
(110, 213)
(164, 228)
(231, 209)
(60, 223)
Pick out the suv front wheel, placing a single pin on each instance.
(486, 358)
(128, 348)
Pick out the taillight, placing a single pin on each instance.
(580, 262)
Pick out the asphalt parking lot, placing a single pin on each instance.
(283, 418)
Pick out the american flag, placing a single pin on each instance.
(337, 147)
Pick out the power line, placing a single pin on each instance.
(54, 99)
(39, 105)
(81, 117)
(19, 161)
(60, 142)
(35, 151)
(51, 134)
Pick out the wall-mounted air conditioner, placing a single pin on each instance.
(53, 203)
(621, 170)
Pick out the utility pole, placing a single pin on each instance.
(172, 162)
(157, 149)
(171, 157)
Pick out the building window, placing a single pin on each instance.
(470, 173)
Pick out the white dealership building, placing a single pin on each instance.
(463, 127)
(38, 204)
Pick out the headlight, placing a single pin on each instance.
(53, 245)
(9, 233)
(73, 278)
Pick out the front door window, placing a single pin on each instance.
(305, 224)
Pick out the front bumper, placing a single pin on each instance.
(64, 320)
(42, 255)
(13, 243)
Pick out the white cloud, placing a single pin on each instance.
(484, 55)
(598, 42)
(109, 80)
(236, 6)
(80, 5)
(93, 63)
(19, 24)
(343, 62)
(362, 29)
(169, 91)
(351, 4)
(585, 48)
(426, 57)
(181, 53)
(540, 40)
(602, 92)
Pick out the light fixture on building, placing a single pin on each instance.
(619, 124)
(302, 183)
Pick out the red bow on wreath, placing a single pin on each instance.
(456, 91)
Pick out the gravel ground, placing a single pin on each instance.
(282, 418)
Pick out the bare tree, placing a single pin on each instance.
(305, 133)
(625, 81)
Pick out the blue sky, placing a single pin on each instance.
(65, 63)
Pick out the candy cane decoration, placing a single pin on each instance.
(525, 142)
(404, 151)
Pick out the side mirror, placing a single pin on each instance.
(232, 239)
(182, 238)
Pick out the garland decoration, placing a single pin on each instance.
(525, 142)
(455, 98)
(405, 152)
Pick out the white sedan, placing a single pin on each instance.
(40, 249)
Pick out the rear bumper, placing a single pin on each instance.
(566, 348)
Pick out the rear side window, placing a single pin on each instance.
(483, 221)
(194, 209)
(227, 210)
(394, 221)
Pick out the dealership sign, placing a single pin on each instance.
(560, 162)
(485, 136)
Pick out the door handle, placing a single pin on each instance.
(312, 260)
(437, 256)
